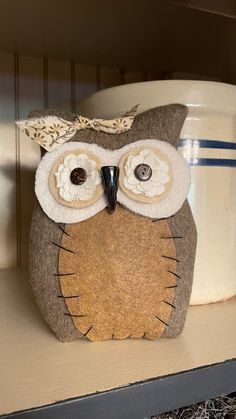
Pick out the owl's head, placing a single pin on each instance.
(139, 168)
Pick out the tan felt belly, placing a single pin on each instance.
(120, 280)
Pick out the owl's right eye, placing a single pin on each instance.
(68, 182)
(75, 179)
(78, 176)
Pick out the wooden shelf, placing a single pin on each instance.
(131, 378)
(162, 36)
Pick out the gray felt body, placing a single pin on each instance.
(162, 123)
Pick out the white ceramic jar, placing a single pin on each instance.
(208, 142)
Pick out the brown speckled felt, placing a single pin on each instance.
(115, 270)
(115, 297)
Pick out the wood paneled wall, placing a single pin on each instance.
(28, 83)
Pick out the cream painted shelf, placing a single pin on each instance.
(135, 378)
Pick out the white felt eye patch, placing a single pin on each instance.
(176, 187)
(162, 195)
(75, 179)
(49, 197)
(146, 174)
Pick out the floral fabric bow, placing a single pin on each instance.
(51, 131)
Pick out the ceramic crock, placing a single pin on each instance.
(208, 142)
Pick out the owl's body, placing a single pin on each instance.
(120, 275)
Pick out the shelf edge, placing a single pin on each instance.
(143, 399)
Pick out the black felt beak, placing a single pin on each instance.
(110, 175)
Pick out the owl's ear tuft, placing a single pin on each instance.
(162, 123)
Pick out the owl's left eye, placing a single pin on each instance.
(143, 172)
(146, 174)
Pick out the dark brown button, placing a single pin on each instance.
(143, 172)
(78, 176)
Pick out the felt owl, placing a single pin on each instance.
(113, 240)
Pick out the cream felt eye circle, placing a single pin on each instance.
(146, 174)
(75, 179)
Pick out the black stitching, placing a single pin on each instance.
(173, 273)
(64, 231)
(170, 257)
(163, 218)
(65, 274)
(85, 334)
(167, 302)
(162, 321)
(64, 248)
(171, 237)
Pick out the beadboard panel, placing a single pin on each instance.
(28, 83)
(31, 96)
(59, 85)
(85, 81)
(110, 77)
(8, 161)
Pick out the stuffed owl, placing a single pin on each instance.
(113, 240)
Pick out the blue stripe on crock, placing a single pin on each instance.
(216, 144)
(211, 162)
(202, 143)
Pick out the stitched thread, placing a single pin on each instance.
(170, 257)
(171, 237)
(167, 302)
(63, 231)
(162, 321)
(85, 334)
(63, 248)
(65, 274)
(173, 273)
